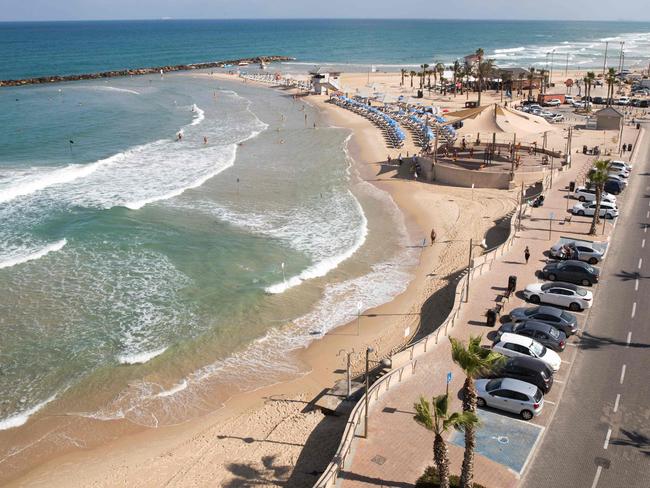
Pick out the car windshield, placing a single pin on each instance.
(531, 311)
(493, 384)
(538, 396)
(553, 332)
(589, 269)
(537, 349)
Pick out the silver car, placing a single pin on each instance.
(574, 250)
(510, 395)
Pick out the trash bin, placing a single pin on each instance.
(572, 186)
(638, 126)
(629, 147)
(512, 283)
(491, 318)
(584, 149)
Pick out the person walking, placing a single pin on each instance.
(433, 236)
(527, 254)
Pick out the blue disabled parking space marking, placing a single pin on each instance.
(503, 439)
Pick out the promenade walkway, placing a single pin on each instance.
(397, 450)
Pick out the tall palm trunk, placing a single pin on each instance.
(469, 405)
(441, 458)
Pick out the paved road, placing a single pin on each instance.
(600, 434)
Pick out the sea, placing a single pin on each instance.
(167, 241)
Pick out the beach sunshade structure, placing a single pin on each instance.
(499, 120)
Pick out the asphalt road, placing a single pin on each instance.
(600, 433)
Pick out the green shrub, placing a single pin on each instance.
(430, 480)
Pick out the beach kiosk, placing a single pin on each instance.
(323, 81)
(608, 119)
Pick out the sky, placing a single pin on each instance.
(17, 10)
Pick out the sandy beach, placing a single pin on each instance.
(271, 435)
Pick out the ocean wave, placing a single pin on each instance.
(177, 388)
(21, 418)
(324, 266)
(15, 260)
(200, 115)
(140, 357)
(510, 50)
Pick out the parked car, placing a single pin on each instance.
(607, 209)
(616, 163)
(516, 345)
(511, 395)
(619, 179)
(599, 100)
(556, 118)
(623, 101)
(614, 187)
(581, 104)
(545, 334)
(585, 194)
(561, 294)
(558, 318)
(571, 271)
(530, 370)
(618, 171)
(577, 251)
(568, 99)
(554, 102)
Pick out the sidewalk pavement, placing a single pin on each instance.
(397, 450)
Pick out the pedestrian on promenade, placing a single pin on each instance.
(433, 236)
(527, 254)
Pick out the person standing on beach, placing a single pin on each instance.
(526, 254)
(433, 236)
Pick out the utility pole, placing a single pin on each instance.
(620, 58)
(550, 76)
(469, 268)
(365, 423)
(566, 67)
(605, 61)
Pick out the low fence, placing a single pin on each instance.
(404, 363)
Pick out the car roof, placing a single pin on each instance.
(537, 325)
(575, 262)
(528, 363)
(559, 284)
(549, 310)
(518, 385)
(516, 339)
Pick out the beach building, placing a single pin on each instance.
(608, 119)
(324, 81)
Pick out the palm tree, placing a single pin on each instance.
(429, 73)
(412, 74)
(521, 77)
(598, 177)
(483, 71)
(543, 74)
(591, 76)
(506, 80)
(424, 67)
(439, 421)
(611, 80)
(403, 73)
(456, 69)
(531, 80)
(474, 360)
(440, 68)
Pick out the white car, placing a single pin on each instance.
(555, 102)
(617, 171)
(546, 114)
(619, 178)
(566, 295)
(607, 209)
(585, 194)
(514, 345)
(623, 101)
(556, 118)
(568, 99)
(511, 395)
(584, 104)
(620, 164)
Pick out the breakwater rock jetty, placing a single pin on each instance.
(145, 71)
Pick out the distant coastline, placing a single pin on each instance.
(141, 71)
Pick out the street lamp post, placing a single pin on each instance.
(369, 350)
(550, 76)
(359, 308)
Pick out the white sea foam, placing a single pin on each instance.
(177, 388)
(31, 256)
(199, 115)
(21, 418)
(326, 265)
(510, 50)
(140, 357)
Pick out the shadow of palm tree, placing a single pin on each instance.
(630, 275)
(247, 475)
(634, 439)
(590, 341)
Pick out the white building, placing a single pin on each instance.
(325, 81)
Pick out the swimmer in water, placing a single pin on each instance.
(205, 140)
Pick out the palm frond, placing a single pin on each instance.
(423, 414)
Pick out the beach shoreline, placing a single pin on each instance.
(159, 456)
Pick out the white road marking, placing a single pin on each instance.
(572, 344)
(629, 338)
(566, 362)
(597, 477)
(642, 243)
(640, 262)
(549, 402)
(633, 309)
(609, 434)
(636, 284)
(647, 214)
(618, 398)
(645, 230)
(623, 373)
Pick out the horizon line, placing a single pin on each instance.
(167, 19)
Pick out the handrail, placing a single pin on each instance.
(410, 354)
